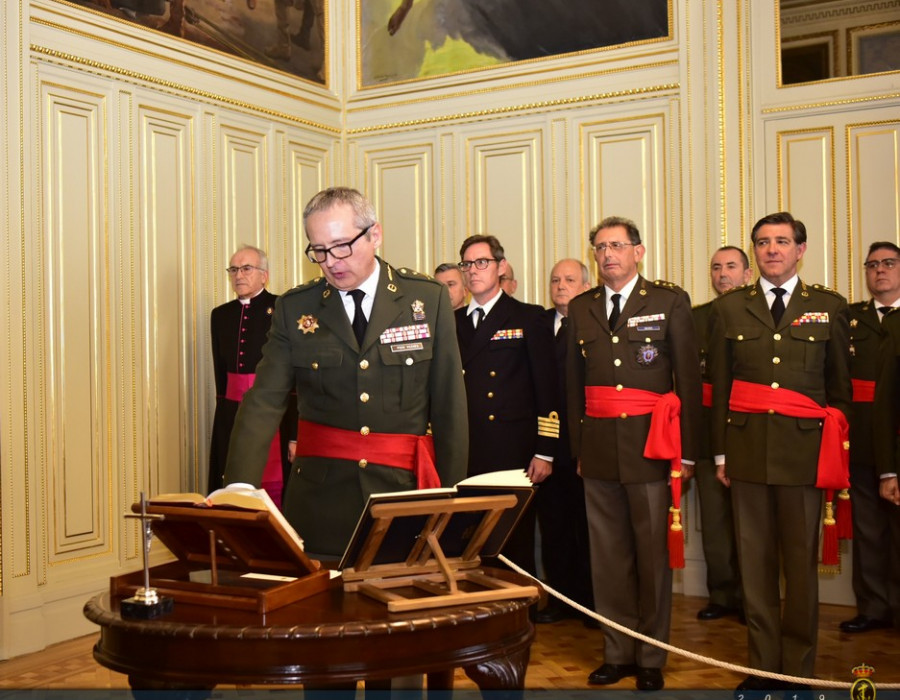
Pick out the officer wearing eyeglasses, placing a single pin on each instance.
(238, 332)
(872, 584)
(371, 351)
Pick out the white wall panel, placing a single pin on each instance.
(622, 174)
(874, 191)
(505, 193)
(400, 184)
(806, 188)
(73, 297)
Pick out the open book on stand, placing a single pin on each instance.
(234, 548)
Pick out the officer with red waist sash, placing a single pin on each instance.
(372, 354)
(634, 403)
(238, 332)
(779, 364)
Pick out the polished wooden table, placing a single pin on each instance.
(332, 639)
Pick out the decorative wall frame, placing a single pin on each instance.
(874, 48)
(809, 57)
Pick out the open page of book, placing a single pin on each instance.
(238, 493)
(512, 478)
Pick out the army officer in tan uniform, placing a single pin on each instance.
(372, 353)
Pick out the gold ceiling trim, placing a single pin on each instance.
(178, 88)
(528, 107)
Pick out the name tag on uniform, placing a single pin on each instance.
(406, 347)
(509, 334)
(400, 334)
(811, 317)
(645, 323)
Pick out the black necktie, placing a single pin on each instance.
(884, 309)
(561, 331)
(477, 316)
(614, 314)
(359, 318)
(778, 304)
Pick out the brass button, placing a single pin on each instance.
(647, 340)
(315, 365)
(491, 417)
(364, 364)
(728, 421)
(617, 362)
(619, 387)
(777, 336)
(364, 397)
(624, 415)
(580, 341)
(490, 394)
(464, 373)
(775, 385)
(492, 373)
(740, 337)
(364, 430)
(811, 338)
(771, 411)
(776, 360)
(409, 361)
(363, 463)
(615, 339)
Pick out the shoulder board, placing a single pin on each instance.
(700, 307)
(665, 284)
(733, 290)
(860, 305)
(828, 290)
(410, 274)
(309, 284)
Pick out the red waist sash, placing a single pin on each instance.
(413, 453)
(707, 394)
(833, 471)
(238, 385)
(863, 390)
(663, 441)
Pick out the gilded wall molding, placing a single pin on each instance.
(834, 103)
(540, 106)
(178, 89)
(790, 17)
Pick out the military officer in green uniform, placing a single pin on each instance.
(371, 351)
(871, 513)
(779, 363)
(728, 268)
(887, 445)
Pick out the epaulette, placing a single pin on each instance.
(860, 305)
(829, 290)
(665, 284)
(734, 289)
(309, 284)
(410, 274)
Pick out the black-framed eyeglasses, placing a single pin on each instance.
(887, 263)
(246, 269)
(319, 254)
(616, 246)
(480, 264)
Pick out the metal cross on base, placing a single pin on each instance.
(146, 604)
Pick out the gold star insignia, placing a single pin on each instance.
(307, 323)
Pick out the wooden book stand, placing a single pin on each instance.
(217, 548)
(431, 578)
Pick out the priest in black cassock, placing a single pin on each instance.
(238, 331)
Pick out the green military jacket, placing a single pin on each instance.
(406, 378)
(807, 352)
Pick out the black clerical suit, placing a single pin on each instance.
(238, 332)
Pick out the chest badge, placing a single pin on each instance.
(307, 323)
(418, 310)
(647, 355)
